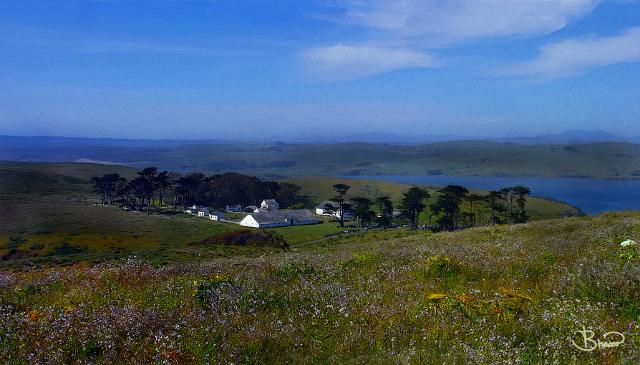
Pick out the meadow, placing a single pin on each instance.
(501, 294)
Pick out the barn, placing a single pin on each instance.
(280, 218)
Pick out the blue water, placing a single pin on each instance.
(593, 196)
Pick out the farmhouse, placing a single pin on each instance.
(269, 205)
(203, 212)
(216, 216)
(280, 218)
(196, 210)
(233, 208)
(330, 208)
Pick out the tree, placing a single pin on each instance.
(521, 192)
(449, 204)
(100, 188)
(188, 186)
(288, 195)
(161, 184)
(385, 206)
(108, 186)
(145, 185)
(362, 210)
(507, 196)
(342, 206)
(413, 204)
(472, 199)
(495, 207)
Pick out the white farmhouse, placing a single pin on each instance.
(216, 216)
(330, 208)
(196, 209)
(279, 218)
(233, 208)
(269, 205)
(327, 208)
(203, 212)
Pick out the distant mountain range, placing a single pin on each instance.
(568, 137)
(268, 159)
(571, 137)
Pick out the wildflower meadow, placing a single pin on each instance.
(516, 294)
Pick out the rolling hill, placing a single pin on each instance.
(596, 160)
(48, 216)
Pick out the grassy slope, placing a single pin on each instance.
(512, 294)
(52, 219)
(319, 188)
(454, 158)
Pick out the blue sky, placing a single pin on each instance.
(289, 69)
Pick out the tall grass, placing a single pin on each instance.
(508, 294)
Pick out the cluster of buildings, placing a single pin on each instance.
(201, 211)
(269, 214)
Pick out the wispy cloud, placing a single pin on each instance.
(417, 28)
(577, 56)
(343, 62)
(446, 22)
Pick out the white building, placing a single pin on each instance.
(216, 216)
(279, 218)
(233, 208)
(203, 212)
(269, 205)
(330, 209)
(195, 209)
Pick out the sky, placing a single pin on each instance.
(285, 69)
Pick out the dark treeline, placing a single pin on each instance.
(151, 188)
(507, 205)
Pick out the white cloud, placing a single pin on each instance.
(577, 56)
(343, 62)
(445, 22)
(404, 33)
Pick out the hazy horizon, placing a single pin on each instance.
(290, 70)
(568, 136)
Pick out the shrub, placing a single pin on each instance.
(441, 267)
(36, 246)
(293, 271)
(247, 238)
(65, 248)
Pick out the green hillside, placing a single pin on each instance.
(503, 294)
(605, 160)
(47, 218)
(319, 188)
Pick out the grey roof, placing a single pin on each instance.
(328, 204)
(281, 215)
(271, 201)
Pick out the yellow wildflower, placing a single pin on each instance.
(34, 315)
(436, 297)
(465, 298)
(514, 295)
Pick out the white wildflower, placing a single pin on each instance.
(628, 243)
